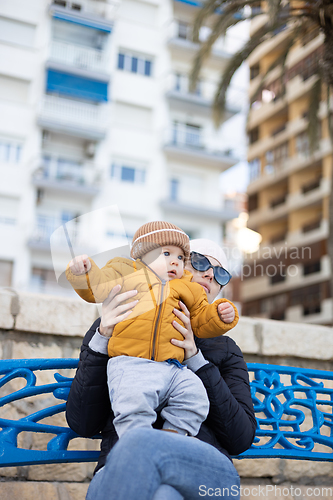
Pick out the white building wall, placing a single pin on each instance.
(139, 119)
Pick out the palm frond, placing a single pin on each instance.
(329, 90)
(293, 34)
(233, 65)
(205, 49)
(225, 21)
(327, 61)
(274, 7)
(207, 10)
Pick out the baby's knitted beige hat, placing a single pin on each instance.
(157, 234)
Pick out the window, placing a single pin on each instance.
(121, 61)
(254, 71)
(9, 207)
(256, 8)
(134, 63)
(134, 67)
(42, 279)
(10, 152)
(276, 157)
(254, 166)
(128, 174)
(254, 135)
(14, 89)
(17, 32)
(174, 189)
(183, 30)
(187, 134)
(252, 202)
(147, 68)
(277, 278)
(312, 300)
(279, 200)
(182, 84)
(6, 271)
(302, 144)
(312, 226)
(312, 267)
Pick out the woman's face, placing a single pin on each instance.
(206, 279)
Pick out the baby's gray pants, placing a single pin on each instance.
(138, 386)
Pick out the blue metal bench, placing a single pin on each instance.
(293, 408)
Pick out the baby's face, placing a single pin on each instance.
(167, 262)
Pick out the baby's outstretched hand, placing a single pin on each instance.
(80, 265)
(226, 312)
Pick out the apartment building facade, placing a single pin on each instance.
(99, 132)
(288, 278)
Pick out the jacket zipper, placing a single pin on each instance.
(157, 320)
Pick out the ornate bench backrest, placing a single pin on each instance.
(293, 409)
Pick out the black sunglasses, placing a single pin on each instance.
(201, 263)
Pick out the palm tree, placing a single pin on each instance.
(297, 18)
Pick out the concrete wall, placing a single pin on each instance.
(38, 326)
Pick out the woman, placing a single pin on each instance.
(148, 463)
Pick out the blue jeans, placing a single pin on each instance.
(150, 464)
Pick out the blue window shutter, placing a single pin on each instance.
(121, 61)
(174, 189)
(147, 68)
(134, 67)
(128, 174)
(76, 86)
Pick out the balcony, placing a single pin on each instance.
(82, 60)
(64, 175)
(292, 128)
(47, 227)
(200, 101)
(63, 236)
(188, 143)
(281, 170)
(92, 13)
(259, 286)
(181, 44)
(289, 203)
(76, 118)
(314, 196)
(198, 212)
(261, 111)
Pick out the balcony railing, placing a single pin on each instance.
(187, 136)
(193, 140)
(78, 56)
(66, 173)
(47, 226)
(67, 113)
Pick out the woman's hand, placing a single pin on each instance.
(113, 311)
(188, 343)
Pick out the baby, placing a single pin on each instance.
(145, 370)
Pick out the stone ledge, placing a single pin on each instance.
(56, 315)
(6, 318)
(47, 314)
(280, 338)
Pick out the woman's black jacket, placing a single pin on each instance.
(230, 425)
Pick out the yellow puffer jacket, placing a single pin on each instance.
(147, 332)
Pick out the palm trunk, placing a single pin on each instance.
(327, 66)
